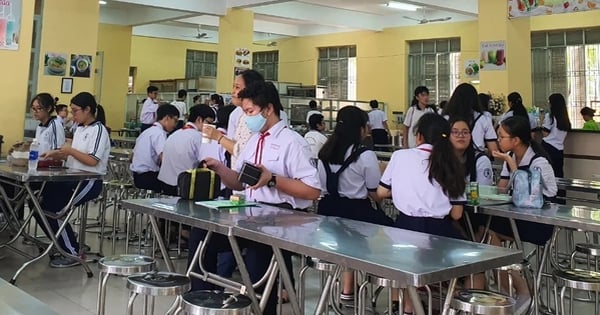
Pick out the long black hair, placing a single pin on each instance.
(558, 111)
(516, 105)
(484, 101)
(463, 103)
(350, 122)
(444, 166)
(519, 127)
(45, 100)
(471, 153)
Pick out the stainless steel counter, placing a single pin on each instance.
(14, 301)
(580, 185)
(22, 174)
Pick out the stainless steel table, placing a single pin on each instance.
(121, 153)
(14, 301)
(123, 142)
(22, 178)
(580, 185)
(415, 259)
(383, 156)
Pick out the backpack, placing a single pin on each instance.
(526, 185)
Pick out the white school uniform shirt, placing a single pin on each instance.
(310, 113)
(148, 113)
(555, 137)
(234, 119)
(532, 120)
(549, 187)
(376, 119)
(182, 151)
(315, 140)
(483, 170)
(483, 131)
(181, 107)
(413, 114)
(148, 147)
(51, 136)
(358, 179)
(407, 176)
(92, 139)
(284, 153)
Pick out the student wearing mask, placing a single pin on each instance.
(88, 152)
(315, 137)
(378, 123)
(417, 108)
(148, 149)
(50, 133)
(148, 112)
(181, 107)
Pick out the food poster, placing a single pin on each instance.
(10, 24)
(493, 56)
(81, 66)
(520, 8)
(55, 64)
(471, 69)
(242, 58)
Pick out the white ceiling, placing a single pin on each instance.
(275, 19)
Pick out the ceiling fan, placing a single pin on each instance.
(269, 44)
(425, 21)
(200, 35)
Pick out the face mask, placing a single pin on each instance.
(255, 123)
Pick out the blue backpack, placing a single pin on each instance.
(527, 186)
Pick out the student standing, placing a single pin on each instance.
(313, 110)
(148, 149)
(413, 114)
(181, 107)
(555, 126)
(148, 113)
(378, 122)
(315, 137)
(515, 103)
(88, 152)
(50, 133)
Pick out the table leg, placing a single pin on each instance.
(287, 280)
(416, 300)
(161, 244)
(449, 297)
(237, 253)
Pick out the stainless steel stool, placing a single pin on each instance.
(326, 268)
(215, 303)
(380, 283)
(482, 302)
(122, 265)
(578, 279)
(154, 284)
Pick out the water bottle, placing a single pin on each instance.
(34, 155)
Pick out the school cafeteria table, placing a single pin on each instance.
(14, 301)
(415, 259)
(120, 153)
(580, 185)
(23, 179)
(123, 142)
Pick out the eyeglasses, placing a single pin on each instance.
(460, 133)
(504, 137)
(75, 110)
(36, 109)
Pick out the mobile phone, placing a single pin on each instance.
(249, 174)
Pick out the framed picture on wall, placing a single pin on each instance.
(66, 87)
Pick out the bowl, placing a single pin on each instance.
(57, 65)
(82, 64)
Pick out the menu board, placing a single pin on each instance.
(521, 8)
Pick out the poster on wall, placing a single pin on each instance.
(521, 8)
(55, 64)
(493, 56)
(241, 60)
(472, 69)
(10, 24)
(81, 66)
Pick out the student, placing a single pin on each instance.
(62, 112)
(477, 166)
(50, 132)
(587, 114)
(436, 188)
(441, 107)
(515, 138)
(555, 126)
(288, 178)
(197, 100)
(181, 107)
(182, 149)
(148, 149)
(484, 101)
(216, 102)
(413, 114)
(88, 152)
(315, 137)
(148, 113)
(378, 123)
(464, 103)
(516, 108)
(313, 110)
(348, 196)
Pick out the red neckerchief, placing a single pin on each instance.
(424, 149)
(260, 146)
(188, 127)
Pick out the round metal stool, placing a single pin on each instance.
(327, 270)
(215, 303)
(153, 284)
(578, 279)
(380, 283)
(122, 265)
(482, 302)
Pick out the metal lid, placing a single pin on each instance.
(486, 298)
(217, 300)
(579, 275)
(127, 260)
(160, 279)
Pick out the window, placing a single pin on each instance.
(266, 62)
(200, 63)
(436, 65)
(337, 71)
(567, 62)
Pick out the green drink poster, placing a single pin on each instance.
(493, 56)
(10, 24)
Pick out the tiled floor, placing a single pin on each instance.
(70, 292)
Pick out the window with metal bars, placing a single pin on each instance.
(436, 65)
(335, 69)
(200, 63)
(567, 62)
(266, 62)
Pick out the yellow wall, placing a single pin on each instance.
(15, 69)
(566, 21)
(115, 42)
(235, 31)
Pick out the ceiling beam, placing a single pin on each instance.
(174, 32)
(252, 3)
(211, 7)
(139, 16)
(276, 28)
(465, 7)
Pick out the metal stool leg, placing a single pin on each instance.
(132, 297)
(103, 278)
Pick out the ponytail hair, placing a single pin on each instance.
(348, 129)
(516, 105)
(444, 166)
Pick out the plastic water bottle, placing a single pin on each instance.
(34, 155)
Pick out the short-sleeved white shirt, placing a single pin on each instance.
(148, 113)
(51, 136)
(181, 107)
(532, 120)
(182, 151)
(555, 137)
(310, 113)
(407, 176)
(233, 122)
(483, 131)
(357, 179)
(92, 139)
(284, 153)
(413, 114)
(315, 140)
(484, 171)
(376, 119)
(549, 188)
(148, 147)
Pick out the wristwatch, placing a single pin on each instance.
(272, 182)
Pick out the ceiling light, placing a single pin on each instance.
(402, 6)
(102, 2)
